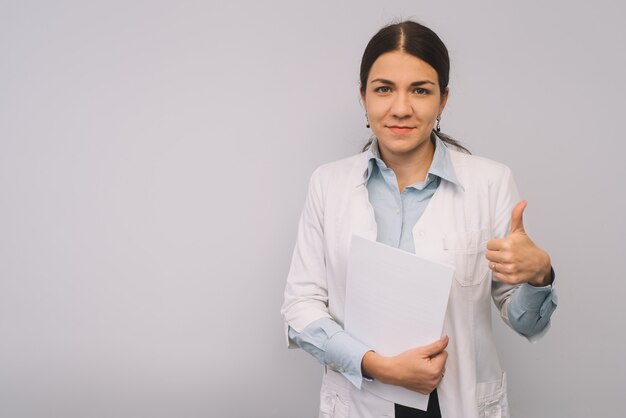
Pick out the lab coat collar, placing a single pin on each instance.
(441, 165)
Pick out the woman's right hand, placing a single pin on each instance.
(418, 369)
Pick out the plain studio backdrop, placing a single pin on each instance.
(154, 158)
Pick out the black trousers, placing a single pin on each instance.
(432, 412)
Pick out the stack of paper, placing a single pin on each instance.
(395, 301)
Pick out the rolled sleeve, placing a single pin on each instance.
(530, 309)
(325, 340)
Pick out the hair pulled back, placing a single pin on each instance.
(417, 40)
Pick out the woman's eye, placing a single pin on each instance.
(382, 89)
(420, 90)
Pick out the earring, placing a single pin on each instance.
(367, 125)
(438, 128)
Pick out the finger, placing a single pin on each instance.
(500, 257)
(501, 268)
(504, 268)
(517, 221)
(436, 347)
(440, 358)
(506, 278)
(495, 244)
(494, 256)
(439, 377)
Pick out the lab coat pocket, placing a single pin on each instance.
(333, 402)
(466, 250)
(492, 399)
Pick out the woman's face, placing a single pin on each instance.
(402, 101)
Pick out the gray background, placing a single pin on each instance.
(153, 163)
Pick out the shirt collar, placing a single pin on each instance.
(441, 165)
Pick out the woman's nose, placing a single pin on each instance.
(401, 107)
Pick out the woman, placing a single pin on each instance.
(415, 189)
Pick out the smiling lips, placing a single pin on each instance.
(400, 129)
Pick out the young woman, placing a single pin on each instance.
(416, 189)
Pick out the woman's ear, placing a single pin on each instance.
(444, 100)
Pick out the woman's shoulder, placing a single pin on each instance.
(476, 172)
(476, 168)
(345, 168)
(334, 178)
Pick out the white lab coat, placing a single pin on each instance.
(454, 228)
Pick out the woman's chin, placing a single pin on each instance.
(401, 146)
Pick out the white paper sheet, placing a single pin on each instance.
(394, 301)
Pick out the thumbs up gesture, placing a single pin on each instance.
(516, 259)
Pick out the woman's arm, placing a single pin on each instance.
(523, 273)
(306, 291)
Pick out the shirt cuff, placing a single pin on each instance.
(530, 309)
(325, 340)
(343, 354)
(531, 298)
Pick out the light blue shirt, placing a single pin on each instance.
(396, 213)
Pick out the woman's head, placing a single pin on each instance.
(404, 86)
(414, 39)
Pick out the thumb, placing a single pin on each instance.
(517, 222)
(436, 347)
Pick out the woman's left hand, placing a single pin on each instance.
(516, 259)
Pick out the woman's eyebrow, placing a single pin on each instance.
(391, 83)
(421, 83)
(383, 81)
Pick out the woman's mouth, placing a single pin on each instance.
(401, 130)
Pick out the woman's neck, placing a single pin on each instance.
(411, 167)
